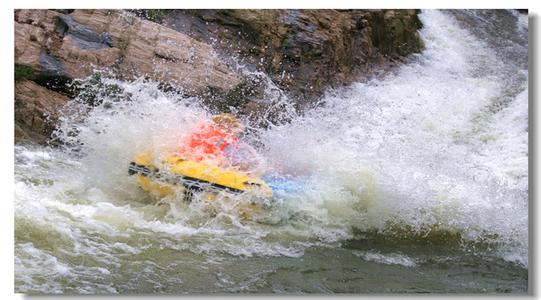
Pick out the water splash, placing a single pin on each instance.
(420, 149)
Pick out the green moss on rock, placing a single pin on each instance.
(154, 15)
(24, 72)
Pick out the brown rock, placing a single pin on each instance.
(303, 51)
(79, 63)
(32, 34)
(36, 110)
(306, 51)
(396, 33)
(52, 49)
(75, 45)
(160, 53)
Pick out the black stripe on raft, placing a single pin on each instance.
(135, 168)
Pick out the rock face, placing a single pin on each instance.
(302, 51)
(306, 51)
(36, 111)
(52, 49)
(72, 46)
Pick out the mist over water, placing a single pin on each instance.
(421, 171)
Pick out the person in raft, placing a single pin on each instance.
(216, 142)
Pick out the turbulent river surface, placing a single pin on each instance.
(415, 181)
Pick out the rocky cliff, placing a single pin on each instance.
(302, 51)
(306, 51)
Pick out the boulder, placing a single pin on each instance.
(36, 111)
(306, 51)
(57, 45)
(52, 48)
(160, 53)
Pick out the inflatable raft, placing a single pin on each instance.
(176, 173)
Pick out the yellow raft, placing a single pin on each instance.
(194, 177)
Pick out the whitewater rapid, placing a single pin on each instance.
(436, 150)
(436, 155)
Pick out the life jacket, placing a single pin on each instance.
(207, 142)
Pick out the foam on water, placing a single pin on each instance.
(419, 148)
(388, 259)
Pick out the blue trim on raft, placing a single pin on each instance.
(283, 184)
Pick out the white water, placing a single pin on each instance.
(419, 150)
(388, 259)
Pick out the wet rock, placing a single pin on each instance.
(85, 37)
(74, 45)
(154, 15)
(50, 65)
(395, 32)
(52, 74)
(36, 111)
(46, 44)
(306, 51)
(31, 36)
(149, 49)
(219, 100)
(52, 48)
(64, 11)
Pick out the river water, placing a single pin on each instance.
(413, 182)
